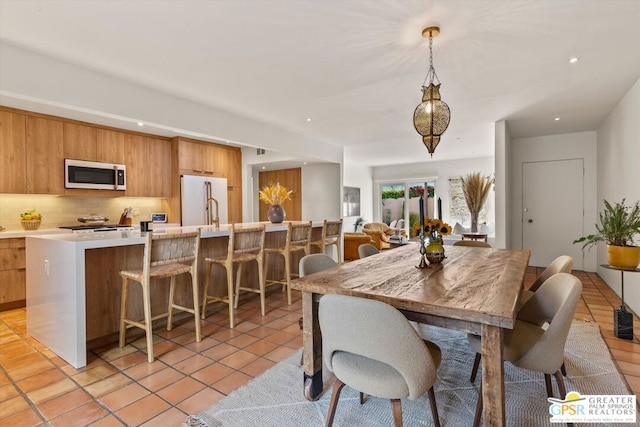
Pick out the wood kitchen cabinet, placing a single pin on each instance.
(80, 142)
(160, 173)
(148, 162)
(44, 156)
(12, 153)
(13, 277)
(200, 158)
(110, 146)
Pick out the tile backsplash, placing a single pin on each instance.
(65, 210)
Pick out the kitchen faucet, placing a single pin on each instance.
(210, 220)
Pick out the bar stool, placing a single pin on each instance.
(245, 245)
(331, 235)
(298, 238)
(165, 255)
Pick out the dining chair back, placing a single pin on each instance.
(246, 244)
(164, 256)
(562, 264)
(297, 239)
(472, 243)
(360, 342)
(331, 235)
(366, 250)
(314, 263)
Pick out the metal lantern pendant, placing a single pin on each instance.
(431, 118)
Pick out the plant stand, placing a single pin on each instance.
(622, 319)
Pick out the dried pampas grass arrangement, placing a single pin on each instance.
(476, 190)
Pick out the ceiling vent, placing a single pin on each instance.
(260, 151)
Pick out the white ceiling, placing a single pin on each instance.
(355, 67)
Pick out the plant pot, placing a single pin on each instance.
(627, 257)
(276, 214)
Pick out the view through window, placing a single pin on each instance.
(401, 204)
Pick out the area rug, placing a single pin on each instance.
(276, 399)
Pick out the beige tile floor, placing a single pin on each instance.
(118, 386)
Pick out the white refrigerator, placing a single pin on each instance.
(193, 201)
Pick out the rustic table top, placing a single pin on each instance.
(480, 285)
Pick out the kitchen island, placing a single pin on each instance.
(73, 282)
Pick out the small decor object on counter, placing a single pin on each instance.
(434, 229)
(618, 226)
(30, 219)
(274, 195)
(93, 219)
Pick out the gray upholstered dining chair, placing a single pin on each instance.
(360, 342)
(538, 338)
(366, 250)
(562, 264)
(472, 243)
(314, 263)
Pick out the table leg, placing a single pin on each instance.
(492, 377)
(312, 347)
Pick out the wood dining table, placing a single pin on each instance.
(474, 290)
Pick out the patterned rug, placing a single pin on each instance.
(275, 398)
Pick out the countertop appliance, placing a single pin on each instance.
(95, 227)
(94, 175)
(203, 200)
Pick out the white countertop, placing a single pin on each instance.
(101, 239)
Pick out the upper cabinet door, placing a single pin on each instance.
(160, 173)
(45, 160)
(110, 146)
(80, 142)
(12, 153)
(137, 157)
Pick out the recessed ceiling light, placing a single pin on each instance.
(557, 119)
(304, 163)
(308, 119)
(264, 167)
(573, 60)
(140, 124)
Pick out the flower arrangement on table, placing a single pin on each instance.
(434, 229)
(273, 195)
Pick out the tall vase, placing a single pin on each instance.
(474, 222)
(276, 214)
(435, 251)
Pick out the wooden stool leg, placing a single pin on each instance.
(287, 272)
(123, 310)
(146, 301)
(238, 278)
(172, 291)
(262, 285)
(266, 267)
(207, 280)
(196, 305)
(230, 295)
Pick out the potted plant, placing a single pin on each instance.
(617, 226)
(476, 190)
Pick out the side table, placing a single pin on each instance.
(474, 236)
(622, 319)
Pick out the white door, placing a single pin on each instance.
(552, 210)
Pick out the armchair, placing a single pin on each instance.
(380, 234)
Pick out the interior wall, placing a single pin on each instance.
(442, 171)
(580, 145)
(322, 192)
(360, 176)
(618, 152)
(502, 149)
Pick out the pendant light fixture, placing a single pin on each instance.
(431, 117)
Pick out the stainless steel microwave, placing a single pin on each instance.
(94, 175)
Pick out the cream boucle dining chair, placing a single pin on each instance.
(314, 263)
(538, 338)
(360, 342)
(366, 250)
(562, 264)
